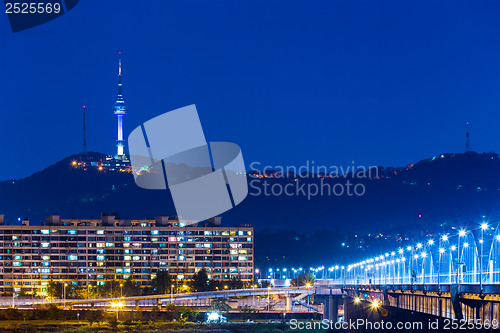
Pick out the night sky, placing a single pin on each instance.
(377, 82)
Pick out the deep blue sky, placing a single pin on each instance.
(377, 82)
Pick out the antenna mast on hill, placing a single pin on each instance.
(467, 143)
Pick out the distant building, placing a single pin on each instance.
(93, 251)
(120, 110)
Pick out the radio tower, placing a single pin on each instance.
(120, 111)
(84, 133)
(467, 143)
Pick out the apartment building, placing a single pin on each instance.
(93, 251)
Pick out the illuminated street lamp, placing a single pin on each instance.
(64, 294)
(484, 226)
(268, 299)
(171, 293)
(117, 307)
(461, 234)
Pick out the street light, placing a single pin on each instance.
(484, 226)
(117, 307)
(461, 233)
(253, 294)
(268, 299)
(64, 293)
(121, 290)
(171, 293)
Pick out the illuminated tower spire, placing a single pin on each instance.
(84, 133)
(467, 143)
(120, 111)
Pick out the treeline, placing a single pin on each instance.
(162, 283)
(52, 312)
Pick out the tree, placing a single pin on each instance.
(94, 316)
(54, 289)
(235, 284)
(219, 305)
(130, 288)
(304, 279)
(200, 281)
(162, 282)
(265, 283)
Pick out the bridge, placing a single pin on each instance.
(292, 296)
(451, 275)
(455, 276)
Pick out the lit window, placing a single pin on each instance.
(16, 263)
(100, 257)
(45, 244)
(72, 232)
(45, 232)
(100, 232)
(72, 257)
(110, 244)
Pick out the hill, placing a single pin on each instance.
(448, 189)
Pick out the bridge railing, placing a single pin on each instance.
(468, 257)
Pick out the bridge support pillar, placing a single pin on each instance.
(288, 302)
(331, 311)
(347, 308)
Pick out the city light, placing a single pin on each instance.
(357, 300)
(430, 242)
(466, 244)
(461, 233)
(498, 237)
(419, 245)
(445, 237)
(441, 250)
(375, 304)
(453, 247)
(484, 226)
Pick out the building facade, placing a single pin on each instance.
(94, 251)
